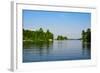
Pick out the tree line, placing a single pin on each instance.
(40, 35)
(86, 35)
(37, 36)
(60, 37)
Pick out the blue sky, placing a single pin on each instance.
(68, 24)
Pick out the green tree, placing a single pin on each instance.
(83, 35)
(49, 35)
(86, 35)
(38, 35)
(60, 37)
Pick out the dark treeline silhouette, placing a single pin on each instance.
(40, 35)
(60, 37)
(86, 35)
(37, 36)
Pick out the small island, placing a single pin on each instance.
(60, 37)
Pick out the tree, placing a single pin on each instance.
(60, 37)
(49, 35)
(38, 35)
(83, 35)
(86, 36)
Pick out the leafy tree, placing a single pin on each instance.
(38, 35)
(86, 35)
(60, 37)
(49, 35)
(83, 35)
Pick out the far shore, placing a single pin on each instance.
(51, 40)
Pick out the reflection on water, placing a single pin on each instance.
(86, 48)
(56, 50)
(86, 45)
(38, 47)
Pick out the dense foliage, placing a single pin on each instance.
(37, 36)
(60, 37)
(86, 35)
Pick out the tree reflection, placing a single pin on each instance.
(86, 48)
(86, 45)
(38, 47)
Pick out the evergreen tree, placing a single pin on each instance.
(38, 35)
(60, 37)
(86, 36)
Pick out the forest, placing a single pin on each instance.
(86, 35)
(37, 36)
(40, 35)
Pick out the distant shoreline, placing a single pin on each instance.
(52, 40)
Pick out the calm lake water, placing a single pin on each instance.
(56, 51)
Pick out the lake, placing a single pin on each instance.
(56, 51)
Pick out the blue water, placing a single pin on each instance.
(57, 51)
